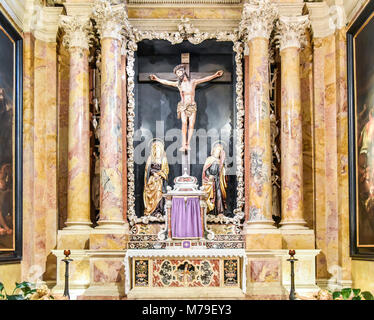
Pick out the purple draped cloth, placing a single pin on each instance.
(185, 218)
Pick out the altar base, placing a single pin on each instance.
(187, 293)
(188, 273)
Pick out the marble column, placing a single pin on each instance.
(257, 24)
(76, 39)
(290, 34)
(110, 20)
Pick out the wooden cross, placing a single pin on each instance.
(185, 59)
(171, 77)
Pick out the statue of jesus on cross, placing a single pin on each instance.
(187, 106)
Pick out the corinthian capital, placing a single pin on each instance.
(291, 31)
(258, 19)
(78, 31)
(111, 18)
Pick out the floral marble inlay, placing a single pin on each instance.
(230, 272)
(141, 273)
(186, 273)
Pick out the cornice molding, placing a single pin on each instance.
(183, 2)
(171, 25)
(83, 9)
(290, 9)
(352, 15)
(32, 11)
(326, 16)
(15, 9)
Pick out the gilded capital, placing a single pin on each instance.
(258, 19)
(78, 31)
(291, 31)
(111, 19)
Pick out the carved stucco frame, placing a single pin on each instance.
(185, 32)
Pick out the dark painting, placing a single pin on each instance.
(7, 55)
(364, 60)
(361, 133)
(10, 146)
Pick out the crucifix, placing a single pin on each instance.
(186, 82)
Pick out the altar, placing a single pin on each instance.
(185, 273)
(186, 211)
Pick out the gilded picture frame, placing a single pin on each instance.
(11, 93)
(361, 136)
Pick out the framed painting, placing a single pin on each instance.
(360, 46)
(10, 142)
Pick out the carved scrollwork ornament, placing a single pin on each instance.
(78, 32)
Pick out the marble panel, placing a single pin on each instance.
(107, 271)
(109, 241)
(265, 270)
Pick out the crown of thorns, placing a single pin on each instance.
(179, 67)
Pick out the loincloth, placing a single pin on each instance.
(188, 108)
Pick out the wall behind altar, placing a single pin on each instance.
(9, 275)
(362, 275)
(324, 100)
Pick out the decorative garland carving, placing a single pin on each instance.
(130, 137)
(186, 31)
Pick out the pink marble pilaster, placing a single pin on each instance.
(40, 134)
(28, 151)
(342, 165)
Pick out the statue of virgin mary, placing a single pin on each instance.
(214, 180)
(155, 180)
